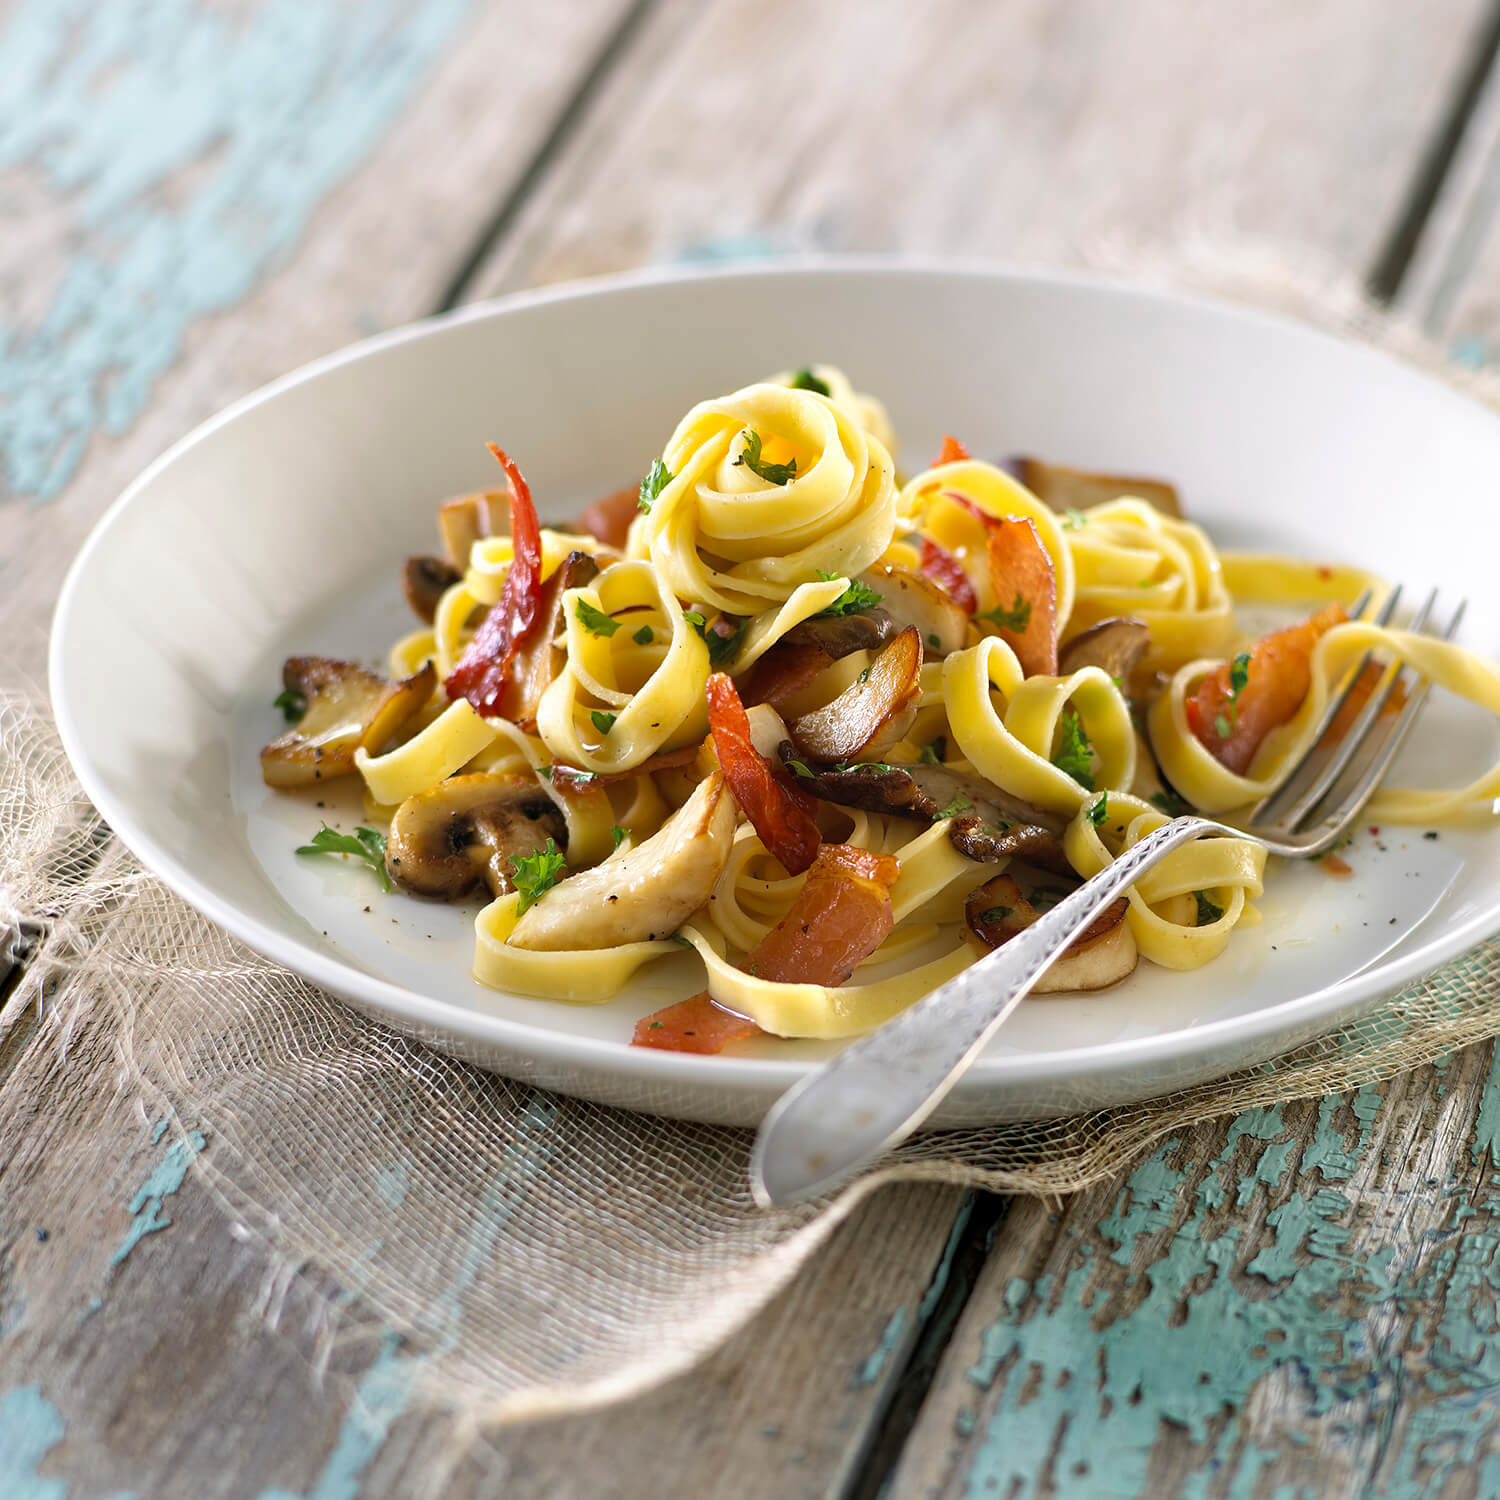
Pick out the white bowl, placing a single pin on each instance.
(280, 526)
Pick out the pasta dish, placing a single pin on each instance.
(836, 730)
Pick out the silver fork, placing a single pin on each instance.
(880, 1088)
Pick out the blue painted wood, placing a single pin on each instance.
(186, 151)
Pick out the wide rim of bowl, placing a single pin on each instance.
(565, 1050)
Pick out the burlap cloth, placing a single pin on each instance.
(544, 1255)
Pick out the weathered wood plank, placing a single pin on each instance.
(1042, 128)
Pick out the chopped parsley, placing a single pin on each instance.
(1208, 911)
(603, 722)
(1072, 757)
(856, 597)
(797, 767)
(595, 621)
(618, 834)
(533, 875)
(863, 765)
(865, 675)
(1016, 618)
(935, 641)
(644, 636)
(658, 477)
(805, 380)
(1099, 809)
(771, 473)
(720, 647)
(367, 844)
(1073, 519)
(1239, 676)
(995, 914)
(677, 937)
(1170, 803)
(958, 805)
(291, 703)
(1222, 727)
(932, 755)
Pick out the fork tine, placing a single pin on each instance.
(1380, 750)
(1261, 813)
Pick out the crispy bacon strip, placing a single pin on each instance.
(609, 517)
(841, 916)
(945, 570)
(952, 451)
(1025, 587)
(1279, 675)
(781, 813)
(484, 669)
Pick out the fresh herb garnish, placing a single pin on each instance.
(1072, 757)
(863, 765)
(618, 835)
(658, 477)
(954, 808)
(595, 621)
(864, 676)
(644, 636)
(932, 755)
(291, 703)
(603, 722)
(722, 647)
(996, 913)
(771, 473)
(797, 767)
(805, 380)
(935, 641)
(1099, 809)
(1170, 803)
(677, 937)
(1045, 897)
(367, 844)
(1016, 618)
(1222, 727)
(533, 875)
(1208, 911)
(1239, 676)
(856, 597)
(1073, 519)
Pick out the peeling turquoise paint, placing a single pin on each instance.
(186, 150)
(164, 1180)
(1486, 1139)
(30, 1427)
(867, 1371)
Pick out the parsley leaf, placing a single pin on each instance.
(954, 808)
(291, 703)
(1208, 911)
(935, 640)
(1099, 809)
(603, 722)
(367, 844)
(658, 477)
(1170, 803)
(805, 380)
(1239, 676)
(1222, 727)
(932, 755)
(1073, 519)
(856, 597)
(533, 875)
(995, 913)
(595, 621)
(1016, 618)
(1072, 757)
(644, 636)
(771, 473)
(722, 647)
(618, 835)
(677, 937)
(797, 767)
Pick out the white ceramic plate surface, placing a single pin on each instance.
(280, 526)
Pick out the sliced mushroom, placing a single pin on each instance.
(807, 650)
(871, 713)
(913, 599)
(445, 840)
(646, 892)
(1078, 489)
(990, 825)
(1115, 645)
(424, 581)
(348, 709)
(466, 519)
(538, 661)
(1102, 954)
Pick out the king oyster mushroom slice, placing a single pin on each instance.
(1063, 488)
(348, 709)
(444, 840)
(1102, 954)
(839, 635)
(992, 825)
(424, 581)
(869, 714)
(1115, 645)
(466, 519)
(646, 892)
(913, 599)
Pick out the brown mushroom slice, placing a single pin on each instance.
(466, 519)
(808, 649)
(646, 892)
(1115, 646)
(348, 709)
(871, 713)
(538, 661)
(1101, 955)
(444, 840)
(1063, 488)
(424, 581)
(913, 599)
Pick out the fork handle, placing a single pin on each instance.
(881, 1087)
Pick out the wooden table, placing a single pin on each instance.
(196, 197)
